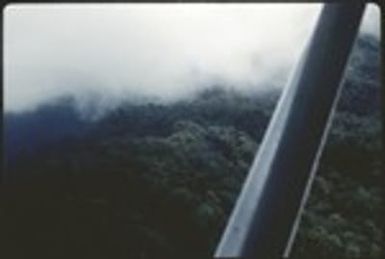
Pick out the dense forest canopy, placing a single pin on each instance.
(153, 180)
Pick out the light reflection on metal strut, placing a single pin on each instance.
(261, 225)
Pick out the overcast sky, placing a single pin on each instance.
(162, 50)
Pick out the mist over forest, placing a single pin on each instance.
(92, 171)
(102, 55)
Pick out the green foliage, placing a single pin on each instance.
(159, 181)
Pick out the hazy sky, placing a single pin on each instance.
(163, 50)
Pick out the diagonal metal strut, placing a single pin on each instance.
(262, 225)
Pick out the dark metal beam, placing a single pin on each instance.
(273, 193)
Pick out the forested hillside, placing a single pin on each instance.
(156, 180)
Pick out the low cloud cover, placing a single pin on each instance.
(166, 51)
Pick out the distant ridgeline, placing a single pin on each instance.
(158, 180)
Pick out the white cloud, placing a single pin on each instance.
(166, 50)
(371, 21)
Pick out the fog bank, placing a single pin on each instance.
(112, 52)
